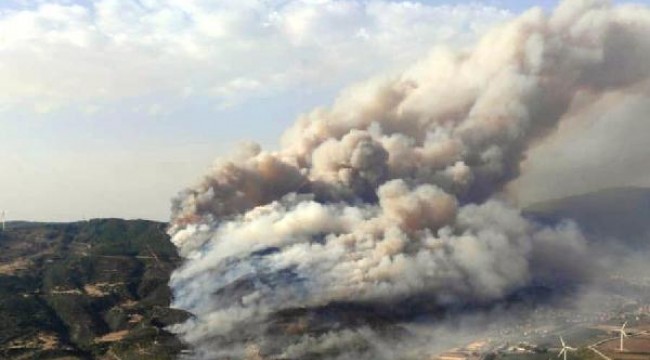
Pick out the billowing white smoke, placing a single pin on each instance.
(388, 197)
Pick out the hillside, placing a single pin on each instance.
(98, 289)
(86, 290)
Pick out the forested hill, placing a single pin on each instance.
(87, 290)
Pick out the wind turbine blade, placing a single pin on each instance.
(623, 327)
(562, 341)
(561, 353)
(571, 348)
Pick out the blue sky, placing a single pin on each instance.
(107, 108)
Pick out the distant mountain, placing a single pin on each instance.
(621, 213)
(87, 290)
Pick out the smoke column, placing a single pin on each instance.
(386, 203)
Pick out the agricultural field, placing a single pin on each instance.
(636, 348)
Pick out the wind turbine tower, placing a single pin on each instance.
(565, 349)
(623, 335)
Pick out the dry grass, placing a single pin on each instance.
(42, 341)
(15, 266)
(101, 289)
(60, 291)
(128, 304)
(48, 341)
(94, 290)
(135, 318)
(112, 337)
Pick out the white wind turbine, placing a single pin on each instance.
(623, 335)
(565, 349)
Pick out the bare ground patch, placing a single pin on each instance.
(14, 266)
(112, 337)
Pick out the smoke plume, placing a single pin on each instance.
(385, 206)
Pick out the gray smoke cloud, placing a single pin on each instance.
(608, 149)
(386, 205)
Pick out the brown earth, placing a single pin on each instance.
(636, 348)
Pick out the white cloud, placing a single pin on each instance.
(60, 54)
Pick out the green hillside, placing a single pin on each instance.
(87, 290)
